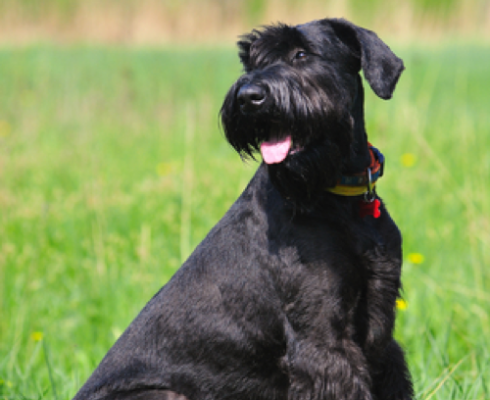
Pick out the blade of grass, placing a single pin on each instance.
(187, 180)
(448, 373)
(48, 366)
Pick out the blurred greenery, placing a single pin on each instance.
(113, 167)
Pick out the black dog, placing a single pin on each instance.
(292, 294)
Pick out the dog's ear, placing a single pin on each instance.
(244, 45)
(380, 65)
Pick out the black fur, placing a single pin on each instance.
(292, 294)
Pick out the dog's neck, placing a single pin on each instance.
(360, 158)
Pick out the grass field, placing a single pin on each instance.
(113, 167)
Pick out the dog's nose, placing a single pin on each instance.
(251, 97)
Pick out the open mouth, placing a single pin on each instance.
(276, 150)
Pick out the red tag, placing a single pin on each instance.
(370, 208)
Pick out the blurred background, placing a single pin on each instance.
(113, 167)
(217, 21)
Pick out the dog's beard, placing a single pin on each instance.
(305, 174)
(314, 161)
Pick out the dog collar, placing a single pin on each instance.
(362, 184)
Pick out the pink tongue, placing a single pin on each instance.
(275, 151)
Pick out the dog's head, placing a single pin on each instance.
(295, 103)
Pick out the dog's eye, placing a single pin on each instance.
(300, 55)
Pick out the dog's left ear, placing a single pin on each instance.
(380, 65)
(244, 46)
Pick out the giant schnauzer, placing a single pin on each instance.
(292, 294)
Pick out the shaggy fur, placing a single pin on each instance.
(292, 294)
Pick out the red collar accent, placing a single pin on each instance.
(362, 184)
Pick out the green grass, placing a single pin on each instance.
(113, 167)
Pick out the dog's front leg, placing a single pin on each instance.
(325, 370)
(390, 375)
(392, 379)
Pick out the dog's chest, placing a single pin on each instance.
(330, 272)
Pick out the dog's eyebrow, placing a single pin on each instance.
(307, 44)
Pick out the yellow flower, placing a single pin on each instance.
(37, 336)
(408, 160)
(117, 332)
(416, 258)
(401, 304)
(164, 169)
(5, 383)
(4, 129)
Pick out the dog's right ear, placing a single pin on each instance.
(380, 65)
